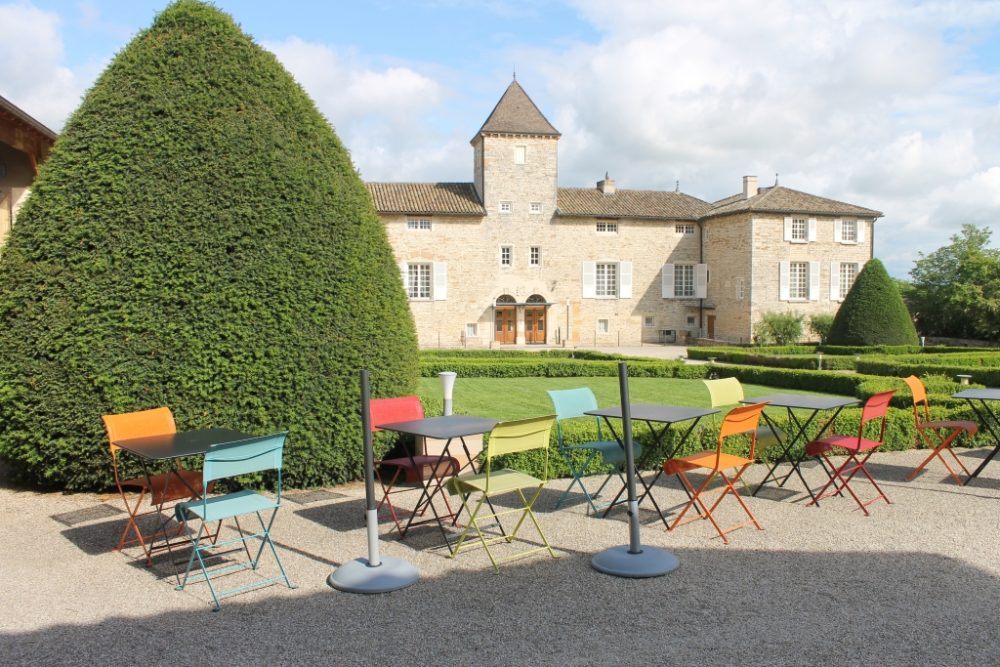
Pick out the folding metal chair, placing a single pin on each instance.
(875, 409)
(505, 438)
(571, 405)
(162, 488)
(230, 460)
(412, 468)
(937, 435)
(741, 421)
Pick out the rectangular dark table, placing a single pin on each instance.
(980, 400)
(447, 428)
(813, 404)
(652, 414)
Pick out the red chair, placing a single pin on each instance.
(412, 468)
(936, 435)
(875, 409)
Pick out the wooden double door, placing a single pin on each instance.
(506, 325)
(534, 325)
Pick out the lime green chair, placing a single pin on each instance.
(729, 391)
(505, 438)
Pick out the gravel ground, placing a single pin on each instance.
(916, 583)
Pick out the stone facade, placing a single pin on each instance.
(24, 144)
(513, 259)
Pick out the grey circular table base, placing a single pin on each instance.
(358, 576)
(649, 562)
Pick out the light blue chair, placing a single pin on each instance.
(571, 404)
(229, 460)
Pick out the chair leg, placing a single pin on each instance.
(944, 444)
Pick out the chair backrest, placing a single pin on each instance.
(570, 403)
(919, 397)
(519, 436)
(245, 456)
(140, 424)
(391, 410)
(740, 421)
(876, 407)
(724, 391)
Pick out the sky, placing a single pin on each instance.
(889, 104)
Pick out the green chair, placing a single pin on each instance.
(505, 438)
(572, 404)
(229, 460)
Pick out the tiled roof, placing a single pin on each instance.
(428, 198)
(778, 199)
(515, 113)
(630, 204)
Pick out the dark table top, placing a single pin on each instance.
(804, 401)
(182, 443)
(443, 427)
(980, 394)
(667, 414)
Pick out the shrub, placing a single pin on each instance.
(198, 238)
(779, 328)
(821, 325)
(873, 313)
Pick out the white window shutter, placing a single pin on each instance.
(862, 226)
(834, 281)
(404, 271)
(667, 281)
(814, 281)
(838, 231)
(625, 280)
(440, 281)
(812, 229)
(788, 229)
(700, 281)
(783, 269)
(589, 280)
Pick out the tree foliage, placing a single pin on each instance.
(198, 239)
(955, 290)
(779, 328)
(873, 312)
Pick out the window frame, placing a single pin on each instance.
(415, 281)
(804, 280)
(610, 227)
(505, 208)
(535, 208)
(606, 286)
(687, 273)
(535, 255)
(419, 224)
(506, 256)
(684, 228)
(844, 289)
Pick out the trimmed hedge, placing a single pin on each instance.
(199, 239)
(873, 312)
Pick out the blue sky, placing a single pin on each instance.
(889, 104)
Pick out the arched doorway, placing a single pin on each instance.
(505, 317)
(534, 320)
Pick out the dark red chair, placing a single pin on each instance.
(411, 468)
(875, 409)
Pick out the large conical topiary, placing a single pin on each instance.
(873, 312)
(197, 239)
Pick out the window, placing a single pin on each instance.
(418, 281)
(800, 229)
(520, 154)
(798, 280)
(422, 224)
(505, 207)
(604, 227)
(648, 322)
(602, 326)
(849, 231)
(535, 207)
(684, 280)
(472, 330)
(506, 255)
(740, 289)
(606, 283)
(690, 320)
(848, 272)
(685, 228)
(535, 255)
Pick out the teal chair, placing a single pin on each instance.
(571, 404)
(229, 460)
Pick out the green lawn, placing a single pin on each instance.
(514, 398)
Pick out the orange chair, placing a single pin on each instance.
(936, 435)
(740, 421)
(876, 409)
(180, 484)
(412, 468)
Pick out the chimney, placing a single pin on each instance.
(607, 186)
(749, 187)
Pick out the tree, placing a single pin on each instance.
(873, 313)
(956, 289)
(779, 328)
(199, 239)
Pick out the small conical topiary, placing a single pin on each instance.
(873, 312)
(197, 239)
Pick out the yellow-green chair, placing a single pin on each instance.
(505, 438)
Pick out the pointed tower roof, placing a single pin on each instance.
(515, 113)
